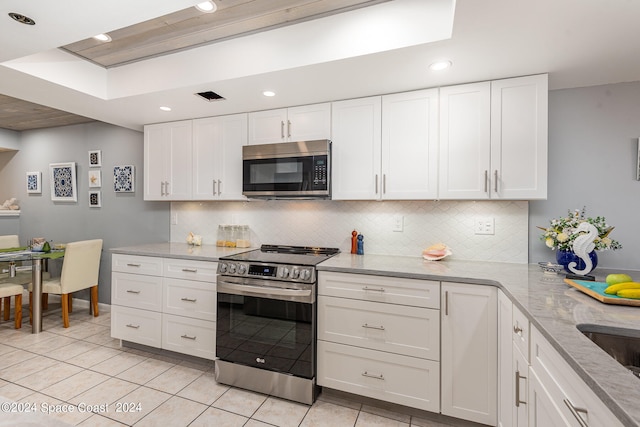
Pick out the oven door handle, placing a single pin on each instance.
(279, 293)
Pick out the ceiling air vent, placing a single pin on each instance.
(210, 96)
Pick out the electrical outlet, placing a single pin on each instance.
(485, 226)
(398, 223)
(174, 219)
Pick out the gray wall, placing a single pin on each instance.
(592, 162)
(124, 218)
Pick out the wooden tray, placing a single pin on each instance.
(596, 290)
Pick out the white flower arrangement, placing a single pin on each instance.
(562, 232)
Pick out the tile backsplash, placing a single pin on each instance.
(330, 223)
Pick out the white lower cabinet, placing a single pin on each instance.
(380, 337)
(557, 395)
(385, 376)
(469, 352)
(165, 303)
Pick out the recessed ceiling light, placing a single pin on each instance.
(103, 37)
(21, 18)
(207, 7)
(165, 108)
(440, 65)
(269, 93)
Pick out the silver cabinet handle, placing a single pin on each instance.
(377, 377)
(366, 288)
(282, 129)
(367, 326)
(518, 400)
(162, 188)
(188, 299)
(129, 291)
(187, 337)
(376, 180)
(517, 329)
(219, 188)
(576, 412)
(384, 183)
(288, 128)
(133, 265)
(495, 183)
(446, 303)
(486, 181)
(190, 270)
(133, 326)
(214, 187)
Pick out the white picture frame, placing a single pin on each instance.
(95, 158)
(34, 182)
(124, 179)
(64, 187)
(95, 178)
(95, 199)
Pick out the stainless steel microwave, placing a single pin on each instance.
(288, 170)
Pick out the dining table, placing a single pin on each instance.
(38, 261)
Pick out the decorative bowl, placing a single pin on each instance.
(551, 268)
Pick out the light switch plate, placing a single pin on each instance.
(485, 226)
(174, 219)
(398, 223)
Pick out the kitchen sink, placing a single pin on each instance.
(621, 344)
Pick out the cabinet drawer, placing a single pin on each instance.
(135, 264)
(394, 290)
(136, 290)
(189, 298)
(390, 377)
(521, 332)
(556, 375)
(139, 326)
(203, 271)
(189, 336)
(411, 331)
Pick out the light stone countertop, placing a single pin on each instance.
(552, 306)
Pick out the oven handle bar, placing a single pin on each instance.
(301, 295)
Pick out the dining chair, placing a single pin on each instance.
(8, 290)
(80, 270)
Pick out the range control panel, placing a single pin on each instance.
(283, 272)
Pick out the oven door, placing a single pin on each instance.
(303, 176)
(266, 325)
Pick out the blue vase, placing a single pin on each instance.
(564, 258)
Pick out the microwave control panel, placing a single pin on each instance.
(320, 171)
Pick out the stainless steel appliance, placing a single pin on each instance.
(287, 170)
(266, 320)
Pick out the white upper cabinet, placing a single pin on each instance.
(304, 123)
(493, 139)
(167, 161)
(465, 141)
(519, 138)
(410, 145)
(356, 148)
(217, 157)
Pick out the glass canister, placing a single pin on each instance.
(220, 237)
(231, 232)
(243, 239)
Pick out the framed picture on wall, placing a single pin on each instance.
(95, 158)
(63, 182)
(95, 178)
(34, 182)
(95, 199)
(124, 179)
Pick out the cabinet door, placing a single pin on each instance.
(410, 145)
(356, 135)
(217, 157)
(465, 141)
(469, 359)
(309, 122)
(505, 362)
(542, 411)
(519, 115)
(180, 161)
(266, 127)
(156, 139)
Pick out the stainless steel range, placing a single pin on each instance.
(266, 321)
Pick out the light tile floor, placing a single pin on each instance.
(81, 376)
